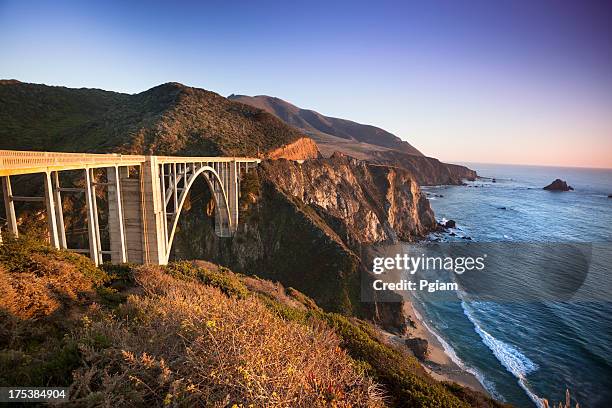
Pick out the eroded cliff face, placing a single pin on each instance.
(305, 225)
(374, 203)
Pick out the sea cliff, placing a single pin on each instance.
(427, 171)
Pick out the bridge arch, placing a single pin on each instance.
(223, 221)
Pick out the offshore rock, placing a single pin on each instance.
(558, 185)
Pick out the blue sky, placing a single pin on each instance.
(489, 81)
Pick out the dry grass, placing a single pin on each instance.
(567, 404)
(36, 281)
(42, 294)
(277, 292)
(191, 333)
(182, 343)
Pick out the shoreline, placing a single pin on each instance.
(438, 363)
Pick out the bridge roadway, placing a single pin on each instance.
(144, 195)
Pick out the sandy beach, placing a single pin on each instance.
(438, 364)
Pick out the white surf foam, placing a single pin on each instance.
(509, 356)
(450, 352)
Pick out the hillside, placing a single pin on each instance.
(193, 334)
(167, 119)
(360, 141)
(332, 134)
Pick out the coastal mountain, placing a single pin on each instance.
(331, 134)
(360, 141)
(168, 119)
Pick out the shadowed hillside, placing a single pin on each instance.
(167, 119)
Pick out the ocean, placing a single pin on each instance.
(523, 351)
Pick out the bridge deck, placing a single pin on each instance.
(13, 162)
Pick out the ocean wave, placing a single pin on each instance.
(509, 356)
(450, 352)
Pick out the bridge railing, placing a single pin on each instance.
(205, 159)
(13, 162)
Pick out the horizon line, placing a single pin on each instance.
(462, 162)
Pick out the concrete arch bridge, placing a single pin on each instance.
(145, 196)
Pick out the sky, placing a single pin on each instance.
(522, 81)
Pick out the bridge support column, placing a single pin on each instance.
(132, 197)
(232, 193)
(9, 205)
(51, 214)
(59, 211)
(116, 220)
(153, 223)
(93, 227)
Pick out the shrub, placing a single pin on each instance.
(222, 278)
(38, 280)
(188, 344)
(27, 254)
(405, 381)
(50, 363)
(42, 291)
(250, 187)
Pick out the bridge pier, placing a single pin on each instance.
(51, 211)
(232, 194)
(153, 214)
(131, 200)
(93, 226)
(59, 213)
(9, 206)
(116, 218)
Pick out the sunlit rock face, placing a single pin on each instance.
(374, 202)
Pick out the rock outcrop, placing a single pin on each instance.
(302, 149)
(419, 347)
(375, 203)
(558, 185)
(450, 224)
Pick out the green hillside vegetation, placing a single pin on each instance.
(192, 333)
(167, 119)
